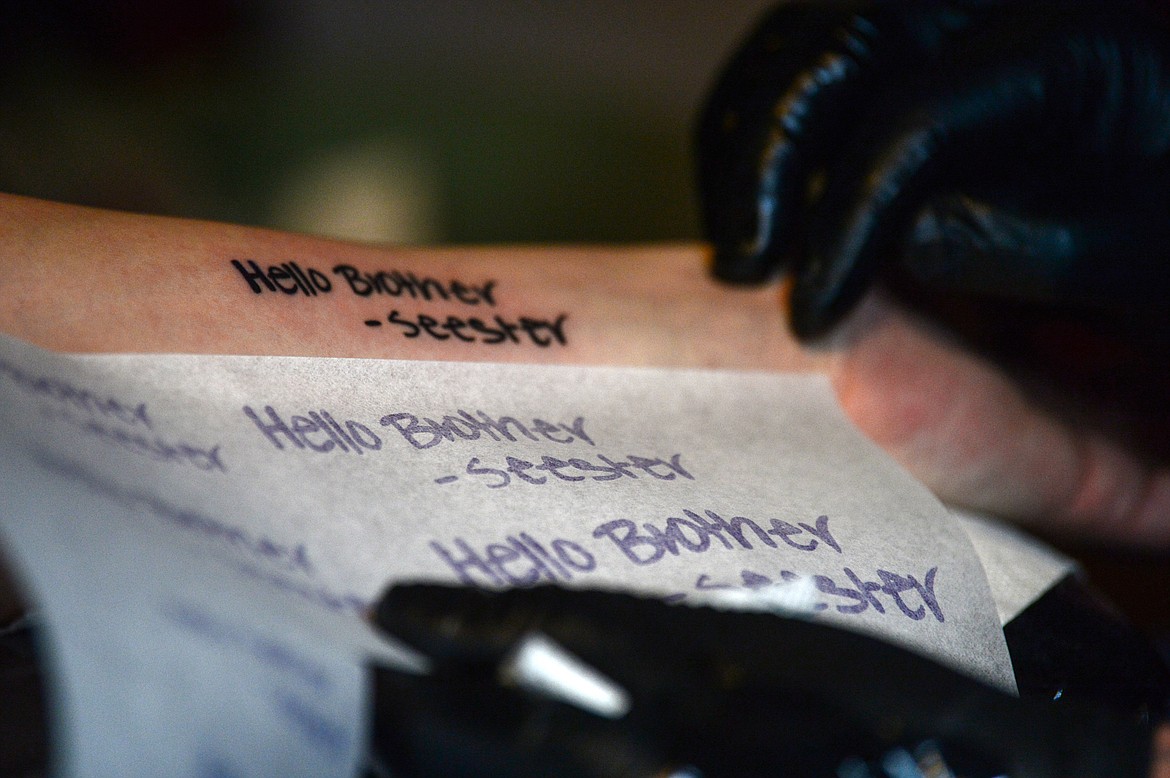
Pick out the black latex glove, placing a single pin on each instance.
(1015, 150)
(727, 694)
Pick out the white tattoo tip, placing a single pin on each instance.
(788, 598)
(541, 666)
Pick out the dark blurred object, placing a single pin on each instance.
(1072, 645)
(1069, 650)
(120, 33)
(1134, 584)
(713, 692)
(24, 740)
(1012, 149)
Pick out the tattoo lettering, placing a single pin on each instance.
(293, 280)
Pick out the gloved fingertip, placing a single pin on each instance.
(809, 317)
(828, 286)
(738, 266)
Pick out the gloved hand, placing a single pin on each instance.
(990, 148)
(703, 692)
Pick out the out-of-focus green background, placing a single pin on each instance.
(407, 121)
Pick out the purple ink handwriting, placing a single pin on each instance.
(850, 594)
(79, 399)
(519, 560)
(115, 421)
(551, 470)
(146, 444)
(463, 425)
(698, 533)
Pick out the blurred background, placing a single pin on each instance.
(458, 121)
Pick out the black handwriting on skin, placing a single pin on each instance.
(495, 331)
(291, 279)
(396, 284)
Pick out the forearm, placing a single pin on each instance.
(74, 279)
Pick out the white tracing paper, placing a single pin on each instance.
(201, 534)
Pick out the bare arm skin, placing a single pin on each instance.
(74, 279)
